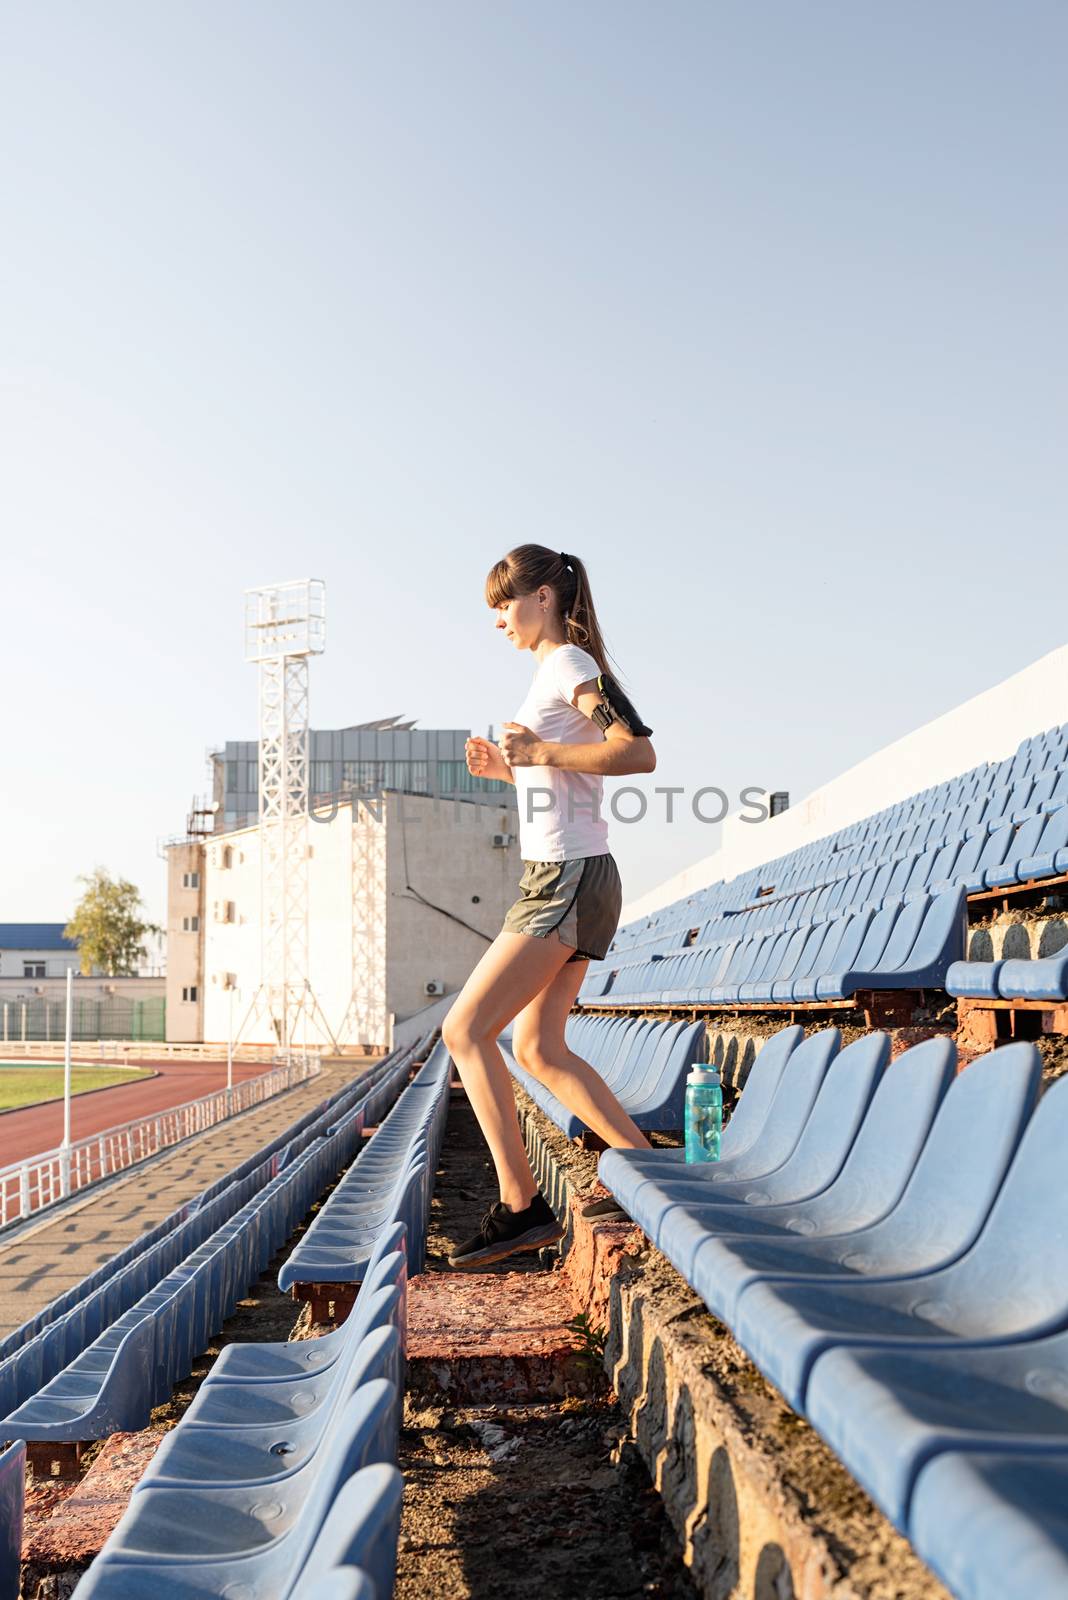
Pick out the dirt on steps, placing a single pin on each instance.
(505, 1502)
(501, 1499)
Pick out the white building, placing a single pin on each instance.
(36, 950)
(405, 892)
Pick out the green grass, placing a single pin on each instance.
(21, 1085)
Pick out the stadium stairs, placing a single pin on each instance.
(881, 1238)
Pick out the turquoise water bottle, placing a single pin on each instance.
(704, 1114)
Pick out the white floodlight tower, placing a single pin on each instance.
(285, 624)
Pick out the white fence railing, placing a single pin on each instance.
(131, 1050)
(30, 1185)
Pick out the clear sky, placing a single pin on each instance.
(757, 307)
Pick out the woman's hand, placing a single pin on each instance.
(484, 760)
(520, 747)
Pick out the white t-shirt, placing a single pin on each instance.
(560, 812)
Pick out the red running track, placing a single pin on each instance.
(39, 1128)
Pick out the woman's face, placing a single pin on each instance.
(523, 619)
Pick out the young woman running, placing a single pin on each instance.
(570, 895)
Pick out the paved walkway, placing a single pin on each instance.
(51, 1255)
(38, 1128)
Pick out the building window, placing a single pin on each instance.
(33, 969)
(454, 778)
(228, 855)
(190, 880)
(252, 776)
(190, 924)
(322, 777)
(231, 775)
(190, 992)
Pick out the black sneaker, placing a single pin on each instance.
(606, 1210)
(505, 1233)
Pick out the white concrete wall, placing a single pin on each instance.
(986, 728)
(451, 857)
(56, 962)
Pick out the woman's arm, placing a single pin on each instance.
(618, 754)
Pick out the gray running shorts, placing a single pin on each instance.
(580, 900)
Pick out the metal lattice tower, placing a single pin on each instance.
(366, 1021)
(285, 624)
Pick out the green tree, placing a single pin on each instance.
(107, 925)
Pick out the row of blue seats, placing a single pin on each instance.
(900, 946)
(104, 1298)
(987, 859)
(888, 1244)
(1010, 854)
(644, 1063)
(262, 1164)
(134, 1362)
(278, 1482)
(1027, 801)
(1044, 978)
(992, 826)
(12, 1502)
(283, 1468)
(394, 1174)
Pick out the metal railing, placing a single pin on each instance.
(31, 1185)
(107, 1050)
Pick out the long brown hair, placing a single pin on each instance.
(524, 570)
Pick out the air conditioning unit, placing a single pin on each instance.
(39, 989)
(501, 841)
(433, 986)
(109, 988)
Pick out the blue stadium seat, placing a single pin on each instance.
(636, 1177)
(974, 980)
(360, 1532)
(343, 1583)
(389, 1182)
(1012, 1283)
(289, 1359)
(943, 1205)
(1051, 852)
(927, 936)
(643, 1062)
(679, 1210)
(12, 1500)
(232, 1454)
(887, 1412)
(983, 1522)
(176, 1543)
(1045, 978)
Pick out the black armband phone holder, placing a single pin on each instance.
(615, 707)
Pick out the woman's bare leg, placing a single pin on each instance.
(515, 968)
(538, 1045)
